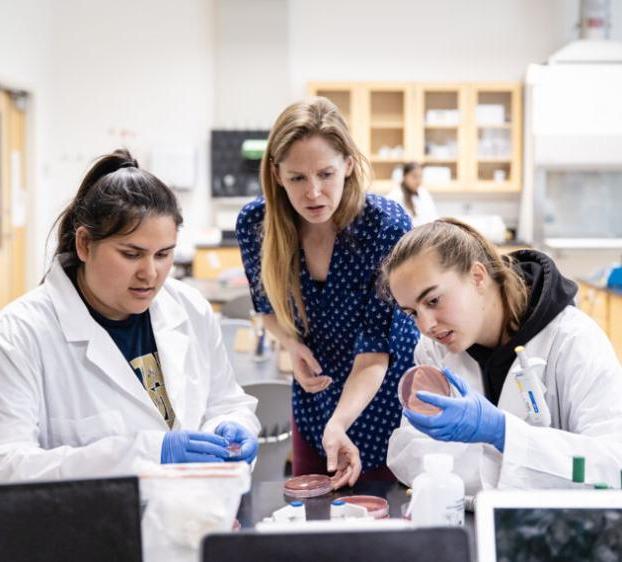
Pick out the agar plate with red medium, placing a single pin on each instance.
(422, 377)
(376, 507)
(308, 486)
(234, 449)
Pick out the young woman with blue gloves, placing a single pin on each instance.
(109, 362)
(474, 308)
(311, 248)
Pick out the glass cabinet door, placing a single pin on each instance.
(497, 142)
(388, 139)
(440, 144)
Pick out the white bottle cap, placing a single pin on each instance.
(438, 462)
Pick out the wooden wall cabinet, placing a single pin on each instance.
(468, 136)
(495, 136)
(605, 308)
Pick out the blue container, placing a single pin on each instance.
(614, 281)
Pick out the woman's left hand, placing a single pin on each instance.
(471, 418)
(342, 456)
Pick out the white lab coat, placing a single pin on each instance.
(583, 381)
(71, 405)
(423, 202)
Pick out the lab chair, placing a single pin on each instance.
(274, 411)
(237, 307)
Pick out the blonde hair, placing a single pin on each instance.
(280, 248)
(458, 246)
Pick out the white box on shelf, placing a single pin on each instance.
(436, 174)
(490, 114)
(442, 117)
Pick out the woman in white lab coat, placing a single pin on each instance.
(473, 308)
(415, 198)
(109, 362)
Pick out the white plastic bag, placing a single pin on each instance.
(185, 502)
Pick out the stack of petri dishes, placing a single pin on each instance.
(308, 486)
(377, 507)
(422, 377)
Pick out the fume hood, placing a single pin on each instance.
(572, 194)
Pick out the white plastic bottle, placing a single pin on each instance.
(437, 494)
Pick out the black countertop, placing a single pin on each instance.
(266, 497)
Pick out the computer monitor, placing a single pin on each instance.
(551, 525)
(446, 544)
(96, 520)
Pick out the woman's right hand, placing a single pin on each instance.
(307, 371)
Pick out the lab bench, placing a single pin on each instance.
(266, 497)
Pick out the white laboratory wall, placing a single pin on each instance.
(444, 40)
(25, 36)
(252, 82)
(114, 73)
(136, 74)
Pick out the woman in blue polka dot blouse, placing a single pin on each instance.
(311, 247)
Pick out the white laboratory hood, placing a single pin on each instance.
(573, 148)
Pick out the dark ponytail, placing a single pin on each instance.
(407, 195)
(113, 198)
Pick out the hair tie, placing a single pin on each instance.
(129, 164)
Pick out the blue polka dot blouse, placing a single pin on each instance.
(346, 317)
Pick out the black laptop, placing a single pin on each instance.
(71, 520)
(446, 544)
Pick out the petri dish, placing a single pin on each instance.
(308, 486)
(377, 507)
(234, 449)
(422, 377)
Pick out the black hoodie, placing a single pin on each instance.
(549, 293)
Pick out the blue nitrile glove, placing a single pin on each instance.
(193, 446)
(470, 418)
(234, 432)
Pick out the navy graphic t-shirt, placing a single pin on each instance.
(135, 339)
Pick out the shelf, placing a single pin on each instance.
(387, 107)
(432, 160)
(387, 124)
(441, 127)
(491, 185)
(453, 185)
(495, 160)
(493, 126)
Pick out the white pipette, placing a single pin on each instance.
(529, 382)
